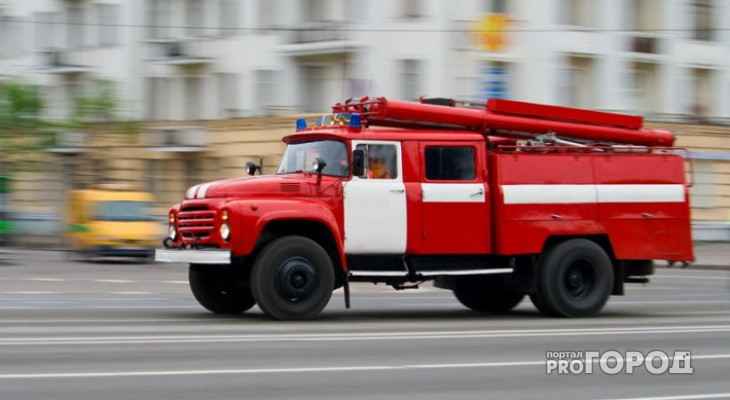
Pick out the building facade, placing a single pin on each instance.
(210, 81)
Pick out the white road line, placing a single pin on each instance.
(176, 282)
(668, 302)
(31, 292)
(48, 279)
(114, 281)
(683, 397)
(135, 293)
(361, 368)
(354, 336)
(704, 278)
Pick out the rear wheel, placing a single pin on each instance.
(215, 289)
(292, 278)
(486, 293)
(575, 279)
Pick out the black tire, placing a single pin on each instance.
(215, 289)
(575, 279)
(537, 302)
(486, 293)
(292, 278)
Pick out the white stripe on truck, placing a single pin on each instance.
(575, 194)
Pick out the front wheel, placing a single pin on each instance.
(486, 293)
(292, 278)
(215, 288)
(575, 279)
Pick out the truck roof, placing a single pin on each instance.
(343, 133)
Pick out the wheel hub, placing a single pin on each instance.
(579, 280)
(297, 279)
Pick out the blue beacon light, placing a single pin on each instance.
(301, 124)
(355, 121)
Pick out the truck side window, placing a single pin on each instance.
(380, 161)
(450, 163)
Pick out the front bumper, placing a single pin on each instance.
(212, 256)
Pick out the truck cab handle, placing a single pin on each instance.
(478, 192)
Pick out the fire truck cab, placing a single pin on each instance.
(493, 202)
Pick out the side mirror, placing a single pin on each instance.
(318, 165)
(251, 168)
(358, 163)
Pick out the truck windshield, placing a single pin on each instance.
(123, 211)
(300, 156)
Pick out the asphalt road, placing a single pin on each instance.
(71, 330)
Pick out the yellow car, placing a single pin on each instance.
(112, 220)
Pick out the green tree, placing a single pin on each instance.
(22, 130)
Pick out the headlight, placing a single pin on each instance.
(225, 232)
(172, 232)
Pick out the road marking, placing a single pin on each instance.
(354, 336)
(682, 397)
(114, 281)
(176, 282)
(31, 292)
(668, 302)
(704, 278)
(48, 279)
(361, 368)
(126, 293)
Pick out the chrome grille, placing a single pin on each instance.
(196, 222)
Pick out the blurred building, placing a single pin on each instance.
(215, 81)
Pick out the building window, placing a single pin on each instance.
(413, 8)
(703, 20)
(75, 19)
(159, 13)
(578, 12)
(267, 89)
(157, 106)
(576, 83)
(12, 43)
(645, 88)
(228, 94)
(315, 80)
(703, 98)
(315, 11)
(43, 30)
(411, 76)
(494, 6)
(193, 97)
(194, 18)
(229, 17)
(108, 15)
(450, 164)
(647, 16)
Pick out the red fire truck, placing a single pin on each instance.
(493, 202)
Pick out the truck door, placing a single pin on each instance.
(455, 199)
(375, 204)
